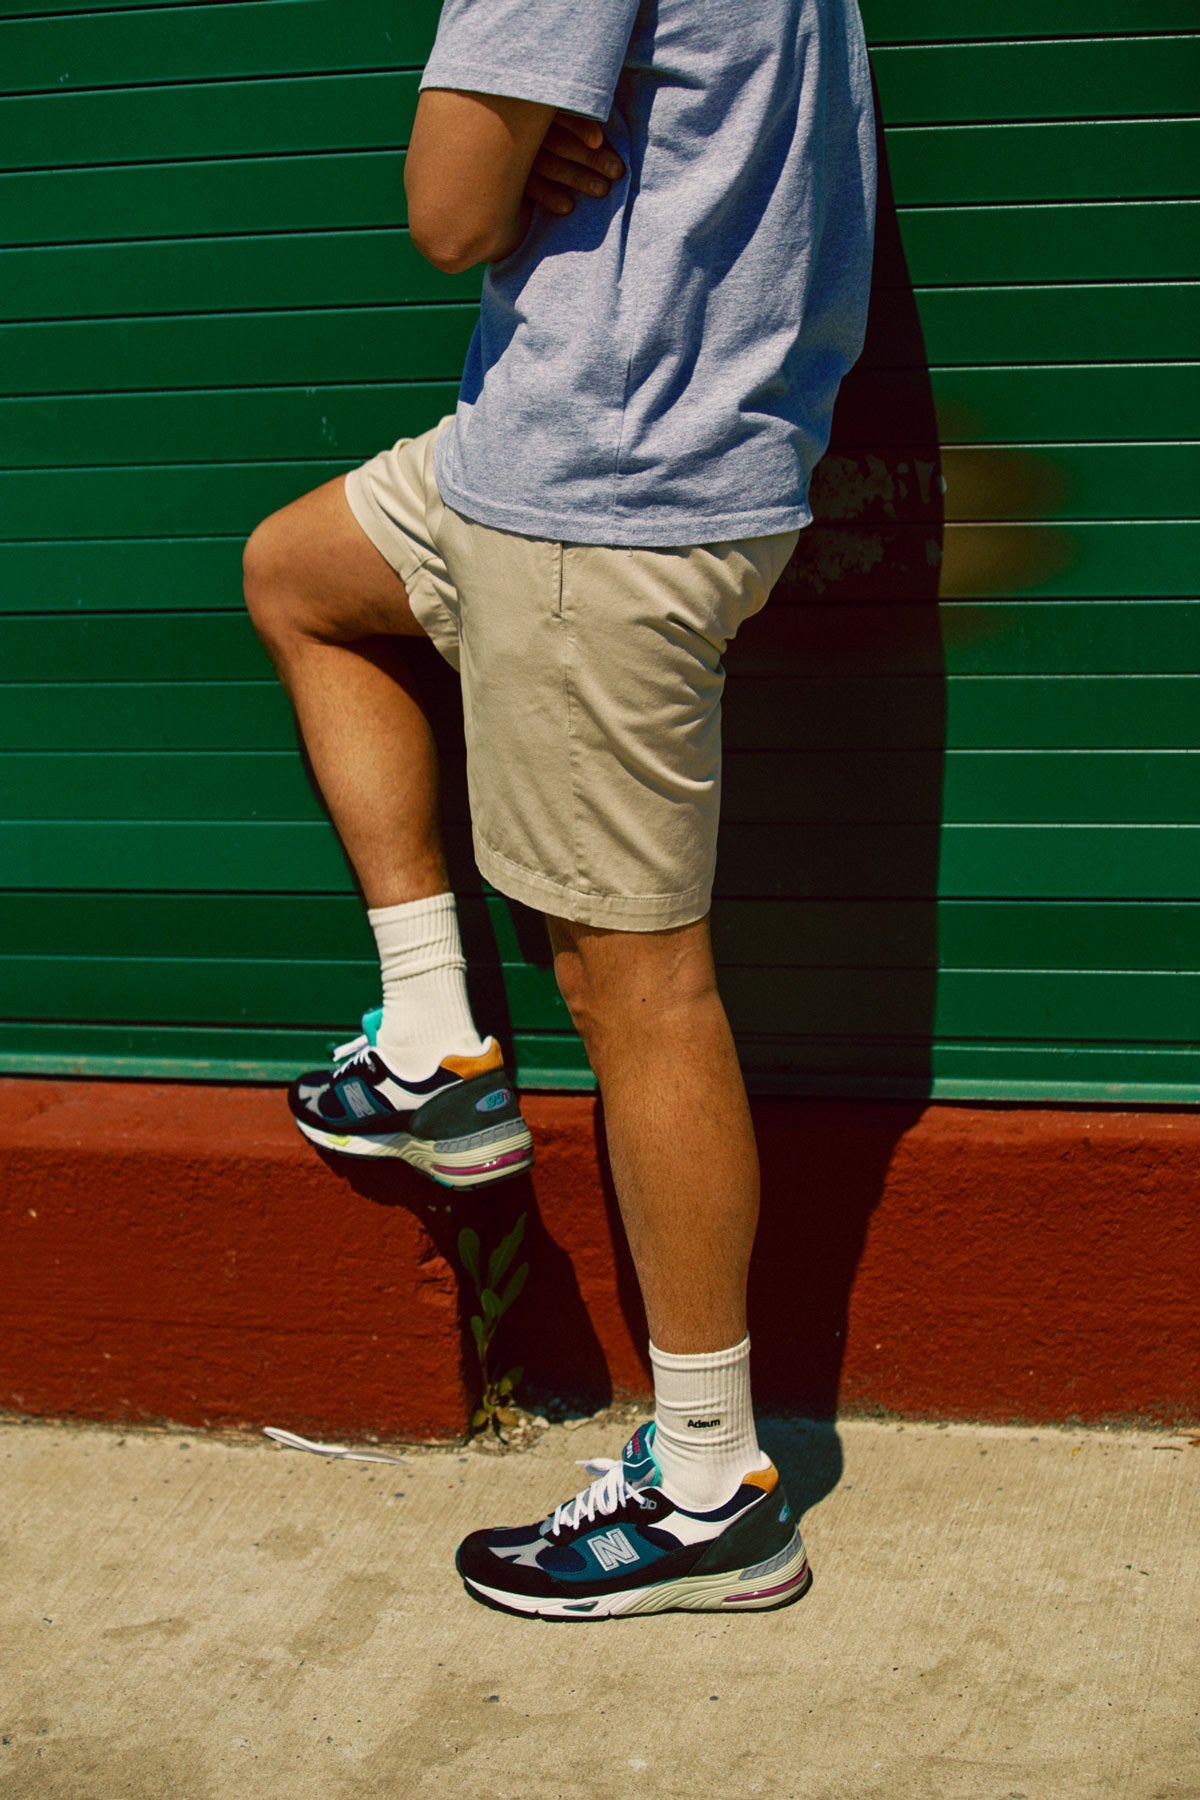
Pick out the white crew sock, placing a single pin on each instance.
(704, 1436)
(426, 1015)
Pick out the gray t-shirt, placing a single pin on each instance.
(659, 367)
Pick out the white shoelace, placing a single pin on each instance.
(605, 1494)
(352, 1048)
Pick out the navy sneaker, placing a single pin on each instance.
(621, 1547)
(461, 1125)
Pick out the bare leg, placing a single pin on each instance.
(679, 1131)
(329, 609)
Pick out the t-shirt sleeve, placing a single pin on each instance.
(565, 53)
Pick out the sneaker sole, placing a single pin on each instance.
(690, 1593)
(495, 1159)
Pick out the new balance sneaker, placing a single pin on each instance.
(461, 1125)
(622, 1547)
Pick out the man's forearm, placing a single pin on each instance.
(511, 234)
(477, 165)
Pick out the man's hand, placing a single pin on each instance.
(575, 158)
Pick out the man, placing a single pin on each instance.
(677, 283)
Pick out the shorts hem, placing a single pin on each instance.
(611, 912)
(388, 539)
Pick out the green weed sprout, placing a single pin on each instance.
(495, 1408)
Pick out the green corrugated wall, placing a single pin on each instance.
(960, 853)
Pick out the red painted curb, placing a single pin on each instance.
(179, 1252)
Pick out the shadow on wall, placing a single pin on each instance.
(550, 1333)
(857, 725)
(836, 724)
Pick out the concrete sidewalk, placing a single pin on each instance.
(997, 1615)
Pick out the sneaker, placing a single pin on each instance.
(461, 1125)
(621, 1547)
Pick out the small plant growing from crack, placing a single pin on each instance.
(495, 1410)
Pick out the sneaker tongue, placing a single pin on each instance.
(641, 1465)
(371, 1021)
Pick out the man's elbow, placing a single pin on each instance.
(448, 245)
(447, 230)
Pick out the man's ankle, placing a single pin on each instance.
(704, 1437)
(426, 1012)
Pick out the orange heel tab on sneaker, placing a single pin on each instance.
(765, 1479)
(469, 1066)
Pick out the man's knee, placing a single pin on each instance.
(614, 980)
(571, 973)
(277, 583)
(265, 576)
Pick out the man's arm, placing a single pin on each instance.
(468, 162)
(477, 161)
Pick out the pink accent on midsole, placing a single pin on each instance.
(764, 1593)
(497, 1162)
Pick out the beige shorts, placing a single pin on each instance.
(591, 682)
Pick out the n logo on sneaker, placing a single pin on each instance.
(357, 1099)
(611, 1549)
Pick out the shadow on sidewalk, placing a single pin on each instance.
(808, 1455)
